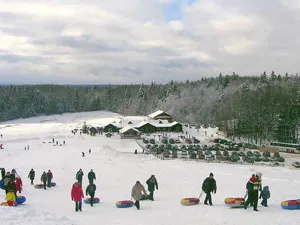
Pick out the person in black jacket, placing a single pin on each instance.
(2, 173)
(79, 176)
(253, 186)
(11, 186)
(90, 190)
(209, 185)
(91, 176)
(49, 178)
(152, 183)
(31, 175)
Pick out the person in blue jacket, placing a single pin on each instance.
(265, 195)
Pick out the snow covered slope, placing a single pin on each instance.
(117, 169)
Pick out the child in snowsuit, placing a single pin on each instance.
(19, 184)
(11, 198)
(77, 195)
(137, 194)
(265, 195)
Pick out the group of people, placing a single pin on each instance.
(12, 183)
(46, 179)
(77, 192)
(138, 190)
(253, 187)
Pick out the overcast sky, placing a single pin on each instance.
(139, 41)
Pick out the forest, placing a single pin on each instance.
(259, 109)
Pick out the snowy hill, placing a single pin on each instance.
(117, 169)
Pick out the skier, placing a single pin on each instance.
(90, 190)
(209, 186)
(44, 179)
(82, 154)
(152, 183)
(31, 175)
(265, 195)
(136, 193)
(79, 176)
(49, 178)
(91, 176)
(19, 184)
(90, 151)
(76, 196)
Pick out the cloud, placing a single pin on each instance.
(99, 41)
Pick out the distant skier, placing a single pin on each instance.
(90, 151)
(79, 176)
(31, 175)
(91, 176)
(44, 179)
(152, 184)
(209, 186)
(265, 195)
(82, 154)
(77, 195)
(90, 190)
(49, 178)
(137, 193)
(19, 184)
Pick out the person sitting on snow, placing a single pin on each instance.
(11, 198)
(265, 195)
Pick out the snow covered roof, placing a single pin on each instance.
(153, 115)
(123, 130)
(157, 124)
(114, 124)
(165, 124)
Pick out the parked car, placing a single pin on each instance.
(267, 154)
(296, 164)
(188, 141)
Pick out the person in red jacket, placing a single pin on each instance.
(19, 184)
(77, 196)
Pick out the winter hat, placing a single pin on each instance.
(252, 180)
(211, 174)
(266, 187)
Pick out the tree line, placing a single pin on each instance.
(258, 108)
